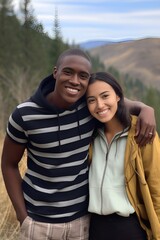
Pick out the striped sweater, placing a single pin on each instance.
(55, 185)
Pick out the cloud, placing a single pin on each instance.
(103, 19)
(139, 17)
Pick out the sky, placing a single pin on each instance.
(114, 20)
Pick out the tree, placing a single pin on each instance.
(28, 23)
(97, 65)
(6, 9)
(7, 16)
(57, 44)
(34, 43)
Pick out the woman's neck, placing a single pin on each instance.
(111, 128)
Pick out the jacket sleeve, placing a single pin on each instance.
(151, 163)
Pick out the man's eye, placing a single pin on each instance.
(84, 76)
(67, 72)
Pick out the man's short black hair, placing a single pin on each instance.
(72, 51)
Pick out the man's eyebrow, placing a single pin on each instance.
(67, 68)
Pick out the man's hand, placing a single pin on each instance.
(146, 126)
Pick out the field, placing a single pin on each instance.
(9, 226)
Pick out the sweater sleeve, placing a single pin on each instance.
(15, 129)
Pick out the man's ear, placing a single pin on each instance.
(54, 72)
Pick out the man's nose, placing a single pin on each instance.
(75, 79)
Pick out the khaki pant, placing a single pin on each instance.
(75, 230)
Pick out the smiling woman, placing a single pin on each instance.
(124, 185)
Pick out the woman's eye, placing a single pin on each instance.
(105, 96)
(90, 101)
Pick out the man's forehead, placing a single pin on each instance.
(70, 61)
(77, 57)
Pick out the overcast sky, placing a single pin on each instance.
(84, 20)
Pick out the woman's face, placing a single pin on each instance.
(102, 101)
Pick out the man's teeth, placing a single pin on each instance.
(72, 90)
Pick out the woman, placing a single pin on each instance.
(124, 179)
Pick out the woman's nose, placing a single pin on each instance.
(100, 103)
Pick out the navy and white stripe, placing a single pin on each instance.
(55, 185)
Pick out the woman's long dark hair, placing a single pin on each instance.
(122, 113)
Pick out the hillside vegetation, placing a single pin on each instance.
(140, 59)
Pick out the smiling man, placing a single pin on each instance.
(72, 75)
(55, 127)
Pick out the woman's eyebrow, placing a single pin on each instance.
(104, 92)
(99, 94)
(90, 97)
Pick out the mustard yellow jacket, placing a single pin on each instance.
(142, 175)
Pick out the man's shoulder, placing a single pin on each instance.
(27, 103)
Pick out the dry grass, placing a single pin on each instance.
(9, 226)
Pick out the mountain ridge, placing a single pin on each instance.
(138, 58)
(98, 43)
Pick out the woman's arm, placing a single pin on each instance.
(146, 123)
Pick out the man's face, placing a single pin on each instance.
(72, 78)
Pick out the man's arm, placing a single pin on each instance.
(11, 156)
(146, 123)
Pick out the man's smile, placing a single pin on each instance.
(72, 90)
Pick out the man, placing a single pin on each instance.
(55, 127)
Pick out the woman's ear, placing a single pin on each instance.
(118, 98)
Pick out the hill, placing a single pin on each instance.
(98, 43)
(139, 58)
(94, 44)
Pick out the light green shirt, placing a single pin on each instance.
(107, 193)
